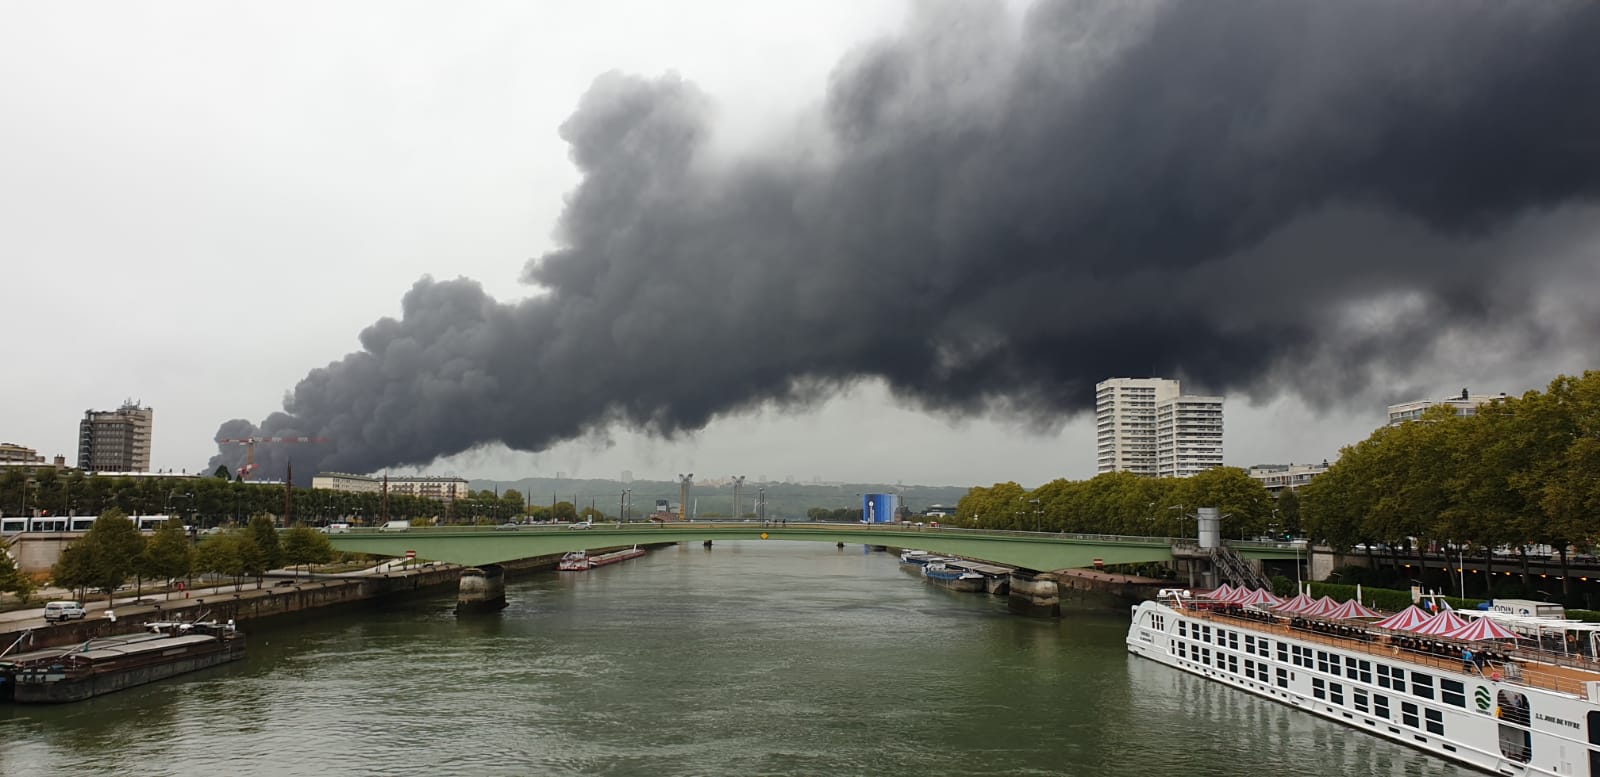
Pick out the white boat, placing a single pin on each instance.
(1526, 711)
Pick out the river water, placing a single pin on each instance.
(754, 658)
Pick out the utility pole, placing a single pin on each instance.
(761, 503)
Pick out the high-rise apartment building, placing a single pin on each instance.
(1465, 404)
(116, 440)
(1147, 426)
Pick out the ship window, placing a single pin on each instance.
(1366, 672)
(1350, 669)
(1336, 693)
(1359, 698)
(1233, 663)
(1318, 690)
(1283, 678)
(1264, 648)
(1283, 653)
(1205, 633)
(1435, 722)
(1452, 692)
(1322, 661)
(1233, 640)
(1249, 644)
(1333, 661)
(1408, 714)
(1183, 628)
(1392, 677)
(1380, 705)
(1516, 742)
(1422, 685)
(1183, 649)
(1205, 656)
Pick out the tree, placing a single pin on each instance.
(222, 473)
(168, 555)
(1288, 512)
(112, 547)
(564, 511)
(266, 554)
(11, 578)
(71, 570)
(224, 554)
(305, 545)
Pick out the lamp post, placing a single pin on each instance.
(1036, 512)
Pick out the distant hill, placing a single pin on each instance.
(783, 499)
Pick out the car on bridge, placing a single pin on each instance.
(580, 526)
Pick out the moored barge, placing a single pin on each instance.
(108, 664)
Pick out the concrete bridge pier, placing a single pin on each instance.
(1035, 594)
(482, 589)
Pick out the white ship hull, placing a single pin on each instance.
(1433, 704)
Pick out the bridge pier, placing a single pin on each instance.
(1035, 594)
(482, 589)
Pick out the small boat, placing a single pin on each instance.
(580, 561)
(952, 578)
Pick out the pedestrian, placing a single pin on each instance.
(1466, 659)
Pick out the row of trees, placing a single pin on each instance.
(216, 501)
(1127, 504)
(114, 552)
(1521, 471)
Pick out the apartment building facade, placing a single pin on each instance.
(1149, 427)
(116, 440)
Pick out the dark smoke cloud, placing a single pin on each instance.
(1257, 196)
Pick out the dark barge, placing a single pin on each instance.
(108, 664)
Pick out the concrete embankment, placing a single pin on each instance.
(1120, 589)
(305, 599)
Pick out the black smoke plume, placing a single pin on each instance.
(991, 214)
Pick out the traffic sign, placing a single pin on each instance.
(411, 554)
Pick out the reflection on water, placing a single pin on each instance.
(753, 658)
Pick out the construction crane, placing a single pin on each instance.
(249, 444)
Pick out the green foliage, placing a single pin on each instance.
(265, 552)
(564, 511)
(224, 554)
(105, 557)
(168, 555)
(222, 472)
(1518, 472)
(303, 545)
(11, 578)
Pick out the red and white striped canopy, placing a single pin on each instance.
(1261, 597)
(1352, 609)
(1321, 607)
(1483, 630)
(1409, 619)
(1221, 593)
(1443, 624)
(1297, 604)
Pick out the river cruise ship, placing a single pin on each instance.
(1511, 695)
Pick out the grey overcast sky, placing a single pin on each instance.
(666, 211)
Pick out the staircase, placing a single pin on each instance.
(1238, 571)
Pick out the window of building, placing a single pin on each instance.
(1283, 678)
(1359, 698)
(1318, 689)
(1336, 693)
(1380, 705)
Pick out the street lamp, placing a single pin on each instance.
(1036, 512)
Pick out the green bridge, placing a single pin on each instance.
(1040, 551)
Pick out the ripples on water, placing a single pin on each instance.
(750, 659)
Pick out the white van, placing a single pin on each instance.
(60, 611)
(337, 528)
(395, 526)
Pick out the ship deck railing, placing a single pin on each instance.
(1532, 668)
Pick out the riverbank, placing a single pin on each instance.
(280, 599)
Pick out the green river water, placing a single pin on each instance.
(756, 658)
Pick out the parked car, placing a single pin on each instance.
(60, 611)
